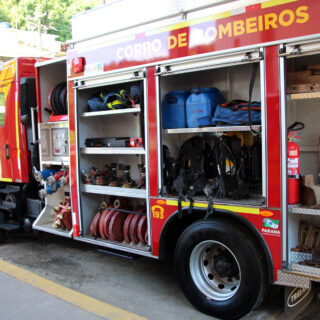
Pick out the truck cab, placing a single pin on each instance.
(17, 151)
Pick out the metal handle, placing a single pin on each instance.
(6, 151)
(34, 125)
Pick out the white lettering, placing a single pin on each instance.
(196, 37)
(138, 51)
(120, 53)
(271, 231)
(156, 45)
(146, 48)
(128, 51)
(211, 34)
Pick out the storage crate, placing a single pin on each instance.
(303, 79)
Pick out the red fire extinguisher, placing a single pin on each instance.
(294, 164)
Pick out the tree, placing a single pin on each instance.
(47, 16)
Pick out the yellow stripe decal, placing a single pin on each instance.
(78, 299)
(215, 206)
(6, 179)
(226, 14)
(273, 3)
(218, 16)
(192, 22)
(17, 132)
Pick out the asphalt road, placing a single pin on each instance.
(143, 286)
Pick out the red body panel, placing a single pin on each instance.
(7, 88)
(273, 127)
(38, 90)
(161, 212)
(259, 24)
(21, 170)
(152, 124)
(73, 161)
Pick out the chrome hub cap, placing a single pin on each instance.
(215, 270)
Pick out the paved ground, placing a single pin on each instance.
(145, 287)
(17, 302)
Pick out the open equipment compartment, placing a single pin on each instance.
(231, 75)
(51, 72)
(303, 105)
(53, 132)
(112, 163)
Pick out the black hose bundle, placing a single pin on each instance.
(58, 99)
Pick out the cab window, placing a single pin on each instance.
(2, 109)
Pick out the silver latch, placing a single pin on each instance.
(296, 50)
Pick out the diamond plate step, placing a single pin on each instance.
(7, 206)
(8, 190)
(9, 226)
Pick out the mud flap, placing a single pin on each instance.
(296, 300)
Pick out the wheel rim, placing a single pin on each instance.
(215, 270)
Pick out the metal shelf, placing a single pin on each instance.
(305, 269)
(304, 210)
(45, 220)
(306, 95)
(139, 248)
(47, 227)
(115, 191)
(296, 257)
(55, 163)
(309, 149)
(109, 112)
(103, 150)
(212, 129)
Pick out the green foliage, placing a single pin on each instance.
(48, 16)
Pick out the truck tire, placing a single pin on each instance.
(219, 269)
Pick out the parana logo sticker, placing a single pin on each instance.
(270, 227)
(269, 223)
(296, 296)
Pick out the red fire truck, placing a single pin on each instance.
(156, 169)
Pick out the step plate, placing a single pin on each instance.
(9, 227)
(7, 207)
(9, 190)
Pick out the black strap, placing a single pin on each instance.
(191, 205)
(235, 102)
(296, 126)
(210, 208)
(180, 205)
(141, 93)
(253, 78)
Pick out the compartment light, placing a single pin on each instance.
(78, 64)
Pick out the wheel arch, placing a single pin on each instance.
(174, 227)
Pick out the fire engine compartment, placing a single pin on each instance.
(97, 161)
(54, 151)
(51, 73)
(303, 106)
(233, 83)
